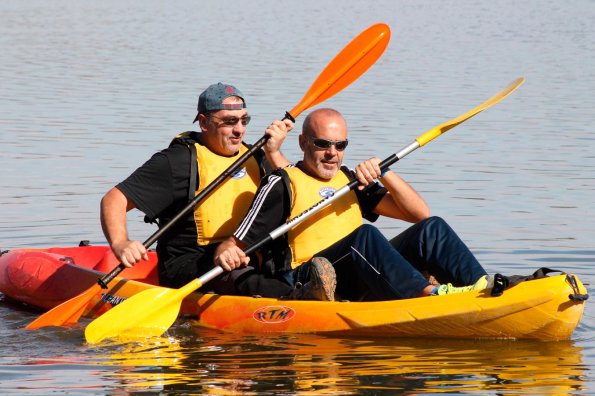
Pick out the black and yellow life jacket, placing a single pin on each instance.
(218, 215)
(330, 224)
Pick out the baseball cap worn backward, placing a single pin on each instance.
(212, 98)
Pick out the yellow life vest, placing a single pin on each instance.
(330, 224)
(218, 216)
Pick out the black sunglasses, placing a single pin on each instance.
(233, 120)
(325, 144)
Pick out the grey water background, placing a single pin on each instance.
(89, 90)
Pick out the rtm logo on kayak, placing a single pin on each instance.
(273, 314)
(111, 299)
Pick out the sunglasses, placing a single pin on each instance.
(233, 121)
(325, 144)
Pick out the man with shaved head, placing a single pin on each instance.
(334, 248)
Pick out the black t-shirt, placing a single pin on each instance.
(161, 189)
(160, 182)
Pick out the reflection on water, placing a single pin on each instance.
(158, 364)
(215, 363)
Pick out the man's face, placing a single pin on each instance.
(224, 130)
(319, 162)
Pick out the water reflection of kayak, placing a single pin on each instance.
(322, 365)
(539, 309)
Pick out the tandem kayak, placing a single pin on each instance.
(549, 308)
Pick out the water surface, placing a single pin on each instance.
(90, 90)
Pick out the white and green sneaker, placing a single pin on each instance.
(482, 283)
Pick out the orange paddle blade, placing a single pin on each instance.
(347, 66)
(67, 313)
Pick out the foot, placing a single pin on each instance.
(322, 283)
(448, 288)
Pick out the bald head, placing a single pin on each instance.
(323, 118)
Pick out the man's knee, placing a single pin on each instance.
(370, 239)
(436, 225)
(368, 231)
(435, 221)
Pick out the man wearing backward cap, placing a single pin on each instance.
(170, 179)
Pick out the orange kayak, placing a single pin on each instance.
(548, 309)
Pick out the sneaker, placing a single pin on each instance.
(322, 283)
(481, 284)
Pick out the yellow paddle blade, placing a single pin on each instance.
(440, 129)
(146, 314)
(347, 66)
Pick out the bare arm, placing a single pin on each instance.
(114, 207)
(277, 132)
(401, 201)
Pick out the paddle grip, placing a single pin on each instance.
(384, 164)
(109, 277)
(288, 117)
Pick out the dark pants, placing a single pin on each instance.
(368, 266)
(371, 268)
(246, 281)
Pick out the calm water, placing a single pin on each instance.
(90, 89)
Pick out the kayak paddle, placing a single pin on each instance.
(151, 312)
(349, 64)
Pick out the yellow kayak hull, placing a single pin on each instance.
(538, 309)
